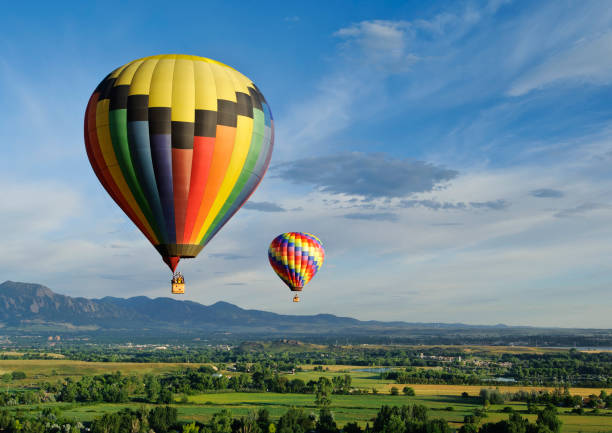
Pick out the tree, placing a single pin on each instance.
(517, 424)
(394, 390)
(68, 392)
(165, 396)
(468, 428)
(492, 396)
(323, 390)
(263, 420)
(548, 417)
(152, 388)
(326, 423)
(408, 391)
(221, 422)
(395, 425)
(419, 412)
(247, 424)
(352, 427)
(162, 418)
(295, 421)
(17, 375)
(191, 428)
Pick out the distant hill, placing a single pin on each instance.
(25, 304)
(26, 307)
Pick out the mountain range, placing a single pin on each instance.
(27, 308)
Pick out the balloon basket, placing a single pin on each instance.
(178, 288)
(296, 298)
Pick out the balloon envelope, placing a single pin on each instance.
(296, 257)
(180, 143)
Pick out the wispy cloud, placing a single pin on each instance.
(493, 204)
(436, 205)
(376, 216)
(547, 193)
(587, 61)
(229, 256)
(581, 210)
(263, 206)
(379, 43)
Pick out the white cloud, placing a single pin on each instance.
(381, 44)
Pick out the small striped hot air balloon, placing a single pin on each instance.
(296, 257)
(180, 143)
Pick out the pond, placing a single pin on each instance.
(501, 379)
(375, 369)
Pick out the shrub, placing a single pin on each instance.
(408, 391)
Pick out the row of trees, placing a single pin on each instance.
(558, 397)
(160, 389)
(405, 419)
(50, 420)
(447, 376)
(164, 419)
(572, 367)
(189, 381)
(546, 422)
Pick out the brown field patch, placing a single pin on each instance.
(62, 367)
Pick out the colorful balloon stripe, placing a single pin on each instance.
(180, 143)
(296, 258)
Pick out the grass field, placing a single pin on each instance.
(346, 408)
(368, 380)
(43, 370)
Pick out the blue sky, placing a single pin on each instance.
(452, 156)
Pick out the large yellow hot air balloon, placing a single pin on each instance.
(180, 143)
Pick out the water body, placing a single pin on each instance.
(501, 379)
(375, 370)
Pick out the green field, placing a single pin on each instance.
(346, 408)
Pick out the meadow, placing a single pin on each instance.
(346, 408)
(443, 401)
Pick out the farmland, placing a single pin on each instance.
(451, 402)
(345, 408)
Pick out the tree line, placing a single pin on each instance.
(161, 389)
(559, 397)
(164, 419)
